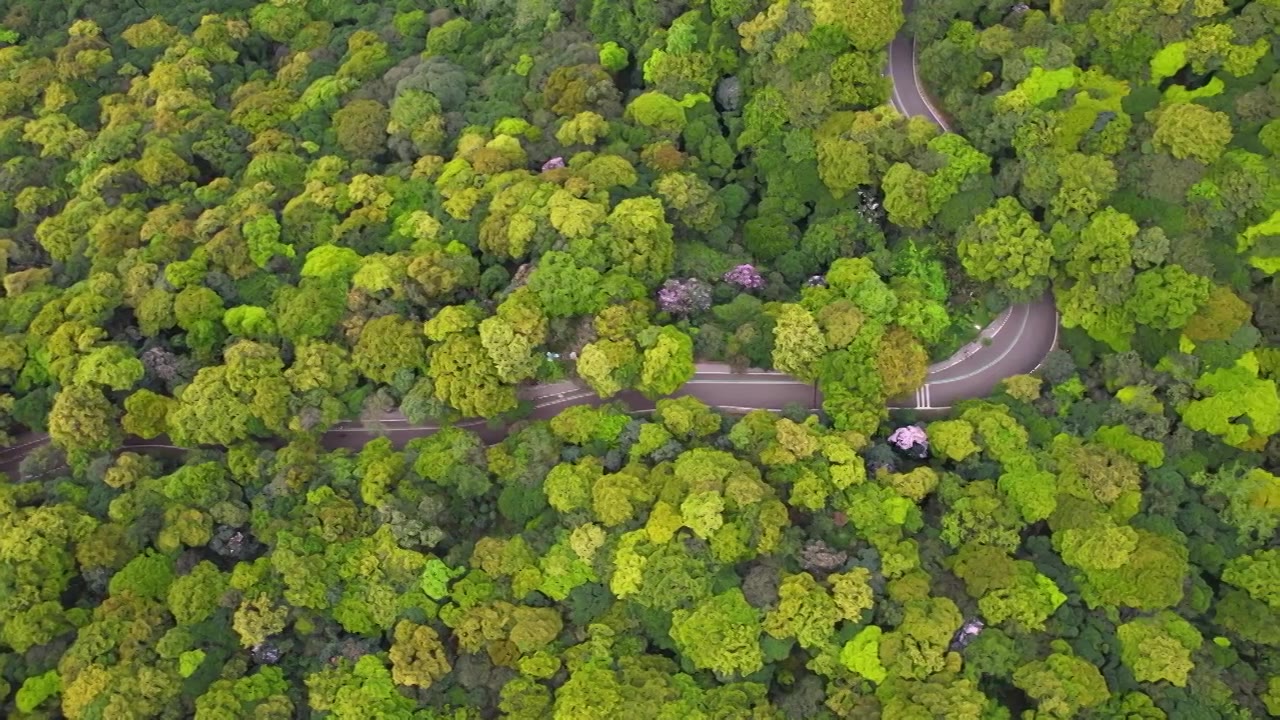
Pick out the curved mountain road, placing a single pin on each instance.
(1015, 342)
(909, 96)
(1018, 340)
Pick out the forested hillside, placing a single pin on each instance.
(1143, 138)
(230, 226)
(366, 208)
(684, 566)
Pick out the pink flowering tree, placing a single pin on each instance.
(684, 297)
(910, 439)
(745, 276)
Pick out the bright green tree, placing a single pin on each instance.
(1005, 245)
(721, 634)
(1062, 684)
(1159, 647)
(1191, 130)
(666, 364)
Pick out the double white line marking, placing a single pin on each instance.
(922, 396)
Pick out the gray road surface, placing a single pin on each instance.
(909, 95)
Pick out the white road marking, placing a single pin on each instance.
(915, 77)
(990, 332)
(744, 374)
(749, 382)
(27, 444)
(995, 362)
(1053, 345)
(896, 100)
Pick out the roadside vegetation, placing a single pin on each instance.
(229, 226)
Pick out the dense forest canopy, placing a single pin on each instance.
(423, 206)
(231, 225)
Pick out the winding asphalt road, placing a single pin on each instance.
(1015, 342)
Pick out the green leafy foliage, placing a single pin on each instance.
(323, 243)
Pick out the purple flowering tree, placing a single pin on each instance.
(910, 439)
(745, 276)
(684, 297)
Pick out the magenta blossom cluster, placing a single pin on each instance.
(684, 297)
(908, 437)
(745, 277)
